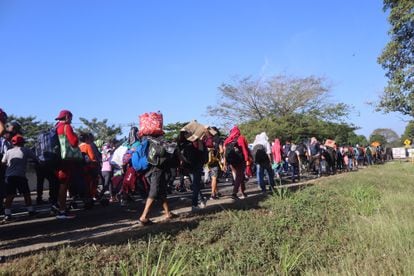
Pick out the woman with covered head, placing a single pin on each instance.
(263, 155)
(277, 157)
(133, 139)
(237, 156)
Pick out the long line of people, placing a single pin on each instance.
(147, 164)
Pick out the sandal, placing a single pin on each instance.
(170, 217)
(144, 223)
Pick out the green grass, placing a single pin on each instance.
(351, 224)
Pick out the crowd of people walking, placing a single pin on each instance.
(147, 164)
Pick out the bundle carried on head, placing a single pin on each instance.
(151, 124)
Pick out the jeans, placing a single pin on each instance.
(295, 172)
(260, 171)
(195, 175)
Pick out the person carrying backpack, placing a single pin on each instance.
(193, 154)
(68, 167)
(286, 150)
(368, 155)
(262, 155)
(48, 153)
(237, 156)
(156, 177)
(91, 167)
(293, 160)
(314, 156)
(215, 150)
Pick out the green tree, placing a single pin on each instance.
(397, 59)
(100, 129)
(250, 99)
(408, 132)
(385, 136)
(31, 127)
(354, 139)
(298, 127)
(173, 129)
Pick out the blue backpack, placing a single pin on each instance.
(47, 147)
(139, 158)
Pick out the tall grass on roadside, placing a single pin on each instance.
(170, 265)
(358, 223)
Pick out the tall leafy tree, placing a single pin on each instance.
(252, 99)
(408, 132)
(397, 59)
(385, 136)
(100, 129)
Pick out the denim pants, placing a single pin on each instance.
(195, 175)
(260, 171)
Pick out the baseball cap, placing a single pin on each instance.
(62, 114)
(17, 140)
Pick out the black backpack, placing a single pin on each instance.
(259, 154)
(192, 157)
(292, 158)
(47, 146)
(160, 152)
(233, 154)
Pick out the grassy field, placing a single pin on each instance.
(359, 223)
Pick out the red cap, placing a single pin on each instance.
(17, 140)
(62, 114)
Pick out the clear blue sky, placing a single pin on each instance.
(118, 59)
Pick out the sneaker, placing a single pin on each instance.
(7, 218)
(244, 195)
(65, 215)
(202, 204)
(214, 197)
(54, 209)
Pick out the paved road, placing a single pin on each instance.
(110, 224)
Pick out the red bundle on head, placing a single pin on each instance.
(150, 124)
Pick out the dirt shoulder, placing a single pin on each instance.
(111, 224)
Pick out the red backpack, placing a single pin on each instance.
(130, 180)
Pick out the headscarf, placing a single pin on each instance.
(261, 139)
(133, 136)
(234, 134)
(276, 151)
